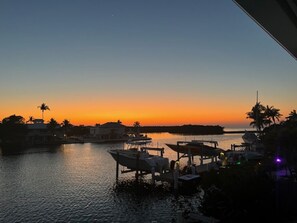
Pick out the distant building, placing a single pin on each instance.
(38, 134)
(109, 130)
(37, 124)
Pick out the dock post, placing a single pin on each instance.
(189, 158)
(137, 166)
(175, 176)
(153, 174)
(117, 166)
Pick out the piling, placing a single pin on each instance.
(137, 166)
(117, 166)
(153, 175)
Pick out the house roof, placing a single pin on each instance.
(277, 17)
(112, 125)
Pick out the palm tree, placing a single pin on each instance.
(52, 125)
(257, 114)
(66, 125)
(30, 120)
(292, 116)
(43, 107)
(272, 114)
(136, 126)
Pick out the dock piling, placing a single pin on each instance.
(117, 166)
(137, 166)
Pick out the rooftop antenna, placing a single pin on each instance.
(257, 115)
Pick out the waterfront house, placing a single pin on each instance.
(107, 131)
(39, 134)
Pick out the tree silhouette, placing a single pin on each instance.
(52, 125)
(43, 107)
(136, 126)
(13, 130)
(13, 120)
(292, 116)
(30, 120)
(66, 125)
(272, 114)
(257, 114)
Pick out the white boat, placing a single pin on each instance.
(250, 137)
(253, 141)
(140, 159)
(240, 153)
(132, 137)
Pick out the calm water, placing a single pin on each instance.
(76, 183)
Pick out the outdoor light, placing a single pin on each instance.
(278, 160)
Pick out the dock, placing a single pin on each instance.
(189, 176)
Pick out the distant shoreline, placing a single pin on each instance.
(184, 129)
(189, 130)
(239, 131)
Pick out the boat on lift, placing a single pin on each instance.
(197, 147)
(250, 137)
(137, 157)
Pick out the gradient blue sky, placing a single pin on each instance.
(158, 61)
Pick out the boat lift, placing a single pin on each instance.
(191, 156)
(136, 170)
(172, 175)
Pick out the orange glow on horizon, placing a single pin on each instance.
(146, 115)
(155, 112)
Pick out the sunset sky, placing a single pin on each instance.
(159, 62)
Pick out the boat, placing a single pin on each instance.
(196, 147)
(138, 158)
(252, 140)
(249, 137)
(243, 152)
(132, 137)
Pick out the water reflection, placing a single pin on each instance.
(78, 183)
(6, 151)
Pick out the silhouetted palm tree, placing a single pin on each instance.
(292, 116)
(43, 107)
(272, 114)
(257, 114)
(52, 125)
(66, 125)
(136, 126)
(31, 119)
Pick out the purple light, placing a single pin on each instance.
(278, 160)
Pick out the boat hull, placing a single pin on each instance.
(201, 150)
(236, 156)
(136, 160)
(249, 137)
